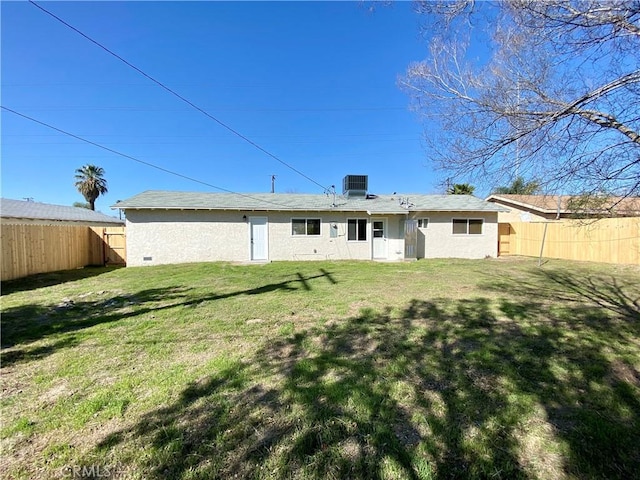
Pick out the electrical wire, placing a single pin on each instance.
(143, 162)
(176, 94)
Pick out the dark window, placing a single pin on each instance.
(305, 226)
(475, 227)
(466, 226)
(313, 226)
(298, 226)
(357, 229)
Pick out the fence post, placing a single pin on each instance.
(105, 241)
(544, 235)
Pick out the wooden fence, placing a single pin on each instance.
(610, 240)
(31, 249)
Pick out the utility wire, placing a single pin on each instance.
(173, 92)
(149, 164)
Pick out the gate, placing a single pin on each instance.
(504, 239)
(115, 245)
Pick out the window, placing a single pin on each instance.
(357, 229)
(467, 226)
(423, 222)
(475, 227)
(305, 226)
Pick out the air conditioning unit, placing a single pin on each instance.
(355, 185)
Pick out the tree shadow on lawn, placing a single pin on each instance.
(42, 280)
(28, 323)
(622, 298)
(472, 388)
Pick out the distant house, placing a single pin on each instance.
(536, 208)
(175, 227)
(24, 212)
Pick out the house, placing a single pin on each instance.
(539, 208)
(175, 227)
(20, 212)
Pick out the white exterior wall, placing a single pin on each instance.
(182, 236)
(171, 236)
(438, 240)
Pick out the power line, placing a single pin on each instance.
(176, 94)
(151, 108)
(149, 164)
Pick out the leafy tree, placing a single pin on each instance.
(593, 205)
(558, 96)
(82, 205)
(520, 187)
(90, 183)
(460, 189)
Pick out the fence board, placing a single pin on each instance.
(30, 249)
(609, 240)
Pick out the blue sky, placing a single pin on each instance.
(313, 83)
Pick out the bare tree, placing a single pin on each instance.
(558, 99)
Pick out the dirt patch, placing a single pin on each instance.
(351, 449)
(355, 308)
(535, 454)
(623, 372)
(57, 391)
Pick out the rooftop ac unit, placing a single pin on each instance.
(355, 185)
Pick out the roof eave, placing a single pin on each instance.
(492, 198)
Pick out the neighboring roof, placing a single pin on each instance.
(551, 203)
(22, 210)
(372, 204)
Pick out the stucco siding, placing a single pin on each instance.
(161, 237)
(180, 236)
(283, 245)
(439, 241)
(166, 236)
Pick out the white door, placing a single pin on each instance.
(379, 238)
(258, 238)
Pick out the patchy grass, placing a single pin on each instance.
(425, 370)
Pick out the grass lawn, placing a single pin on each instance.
(426, 370)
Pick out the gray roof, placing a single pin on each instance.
(376, 204)
(22, 210)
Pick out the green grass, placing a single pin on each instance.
(425, 370)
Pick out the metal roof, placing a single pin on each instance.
(372, 204)
(23, 210)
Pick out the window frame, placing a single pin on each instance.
(421, 222)
(306, 221)
(357, 231)
(467, 231)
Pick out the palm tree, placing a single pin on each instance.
(91, 183)
(461, 189)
